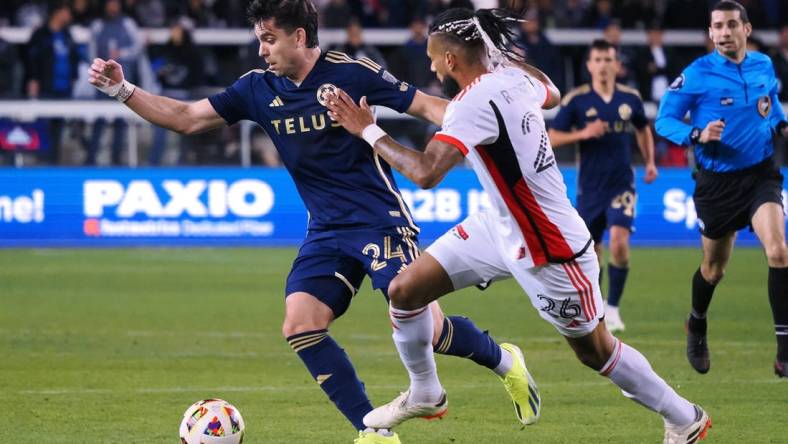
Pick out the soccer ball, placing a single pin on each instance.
(212, 421)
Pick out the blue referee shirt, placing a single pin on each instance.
(744, 95)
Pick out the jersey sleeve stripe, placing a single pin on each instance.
(547, 96)
(452, 141)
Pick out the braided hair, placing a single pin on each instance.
(484, 29)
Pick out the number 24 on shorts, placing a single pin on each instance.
(374, 250)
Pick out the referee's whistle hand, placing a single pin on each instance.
(713, 131)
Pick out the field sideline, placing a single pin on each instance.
(111, 346)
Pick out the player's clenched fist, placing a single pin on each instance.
(107, 77)
(713, 131)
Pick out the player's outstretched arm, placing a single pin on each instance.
(183, 117)
(426, 169)
(428, 107)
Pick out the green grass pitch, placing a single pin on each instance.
(111, 346)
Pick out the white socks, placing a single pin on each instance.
(413, 330)
(630, 370)
(506, 363)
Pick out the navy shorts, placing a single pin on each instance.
(332, 264)
(602, 213)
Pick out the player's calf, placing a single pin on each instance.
(632, 373)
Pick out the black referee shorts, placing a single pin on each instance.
(726, 202)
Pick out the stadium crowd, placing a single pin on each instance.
(51, 65)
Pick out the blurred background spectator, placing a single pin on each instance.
(52, 63)
(184, 69)
(686, 14)
(655, 72)
(178, 68)
(599, 15)
(780, 58)
(9, 56)
(355, 47)
(114, 36)
(336, 14)
(539, 51)
(84, 12)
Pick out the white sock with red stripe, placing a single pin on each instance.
(630, 370)
(412, 335)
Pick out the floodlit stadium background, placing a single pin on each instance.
(104, 343)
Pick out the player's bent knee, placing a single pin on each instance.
(712, 273)
(294, 327)
(304, 320)
(401, 293)
(777, 255)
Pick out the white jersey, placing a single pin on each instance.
(497, 123)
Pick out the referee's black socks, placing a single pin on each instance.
(702, 292)
(778, 299)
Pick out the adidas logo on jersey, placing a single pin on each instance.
(276, 102)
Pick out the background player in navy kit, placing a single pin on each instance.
(601, 117)
(731, 95)
(359, 225)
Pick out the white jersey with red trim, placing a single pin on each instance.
(497, 123)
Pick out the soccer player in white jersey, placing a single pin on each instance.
(531, 233)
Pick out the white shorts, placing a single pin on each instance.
(566, 295)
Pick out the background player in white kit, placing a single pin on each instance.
(536, 236)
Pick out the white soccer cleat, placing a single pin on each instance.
(400, 410)
(689, 434)
(613, 321)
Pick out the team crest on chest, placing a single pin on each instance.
(764, 106)
(323, 92)
(625, 111)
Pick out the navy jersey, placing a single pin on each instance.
(605, 163)
(343, 183)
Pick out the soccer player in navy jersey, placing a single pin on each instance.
(359, 224)
(601, 117)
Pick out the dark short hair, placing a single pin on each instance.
(288, 15)
(731, 5)
(600, 45)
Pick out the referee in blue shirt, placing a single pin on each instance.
(731, 95)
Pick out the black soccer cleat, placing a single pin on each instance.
(697, 350)
(781, 369)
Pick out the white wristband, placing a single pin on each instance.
(120, 91)
(372, 134)
(125, 91)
